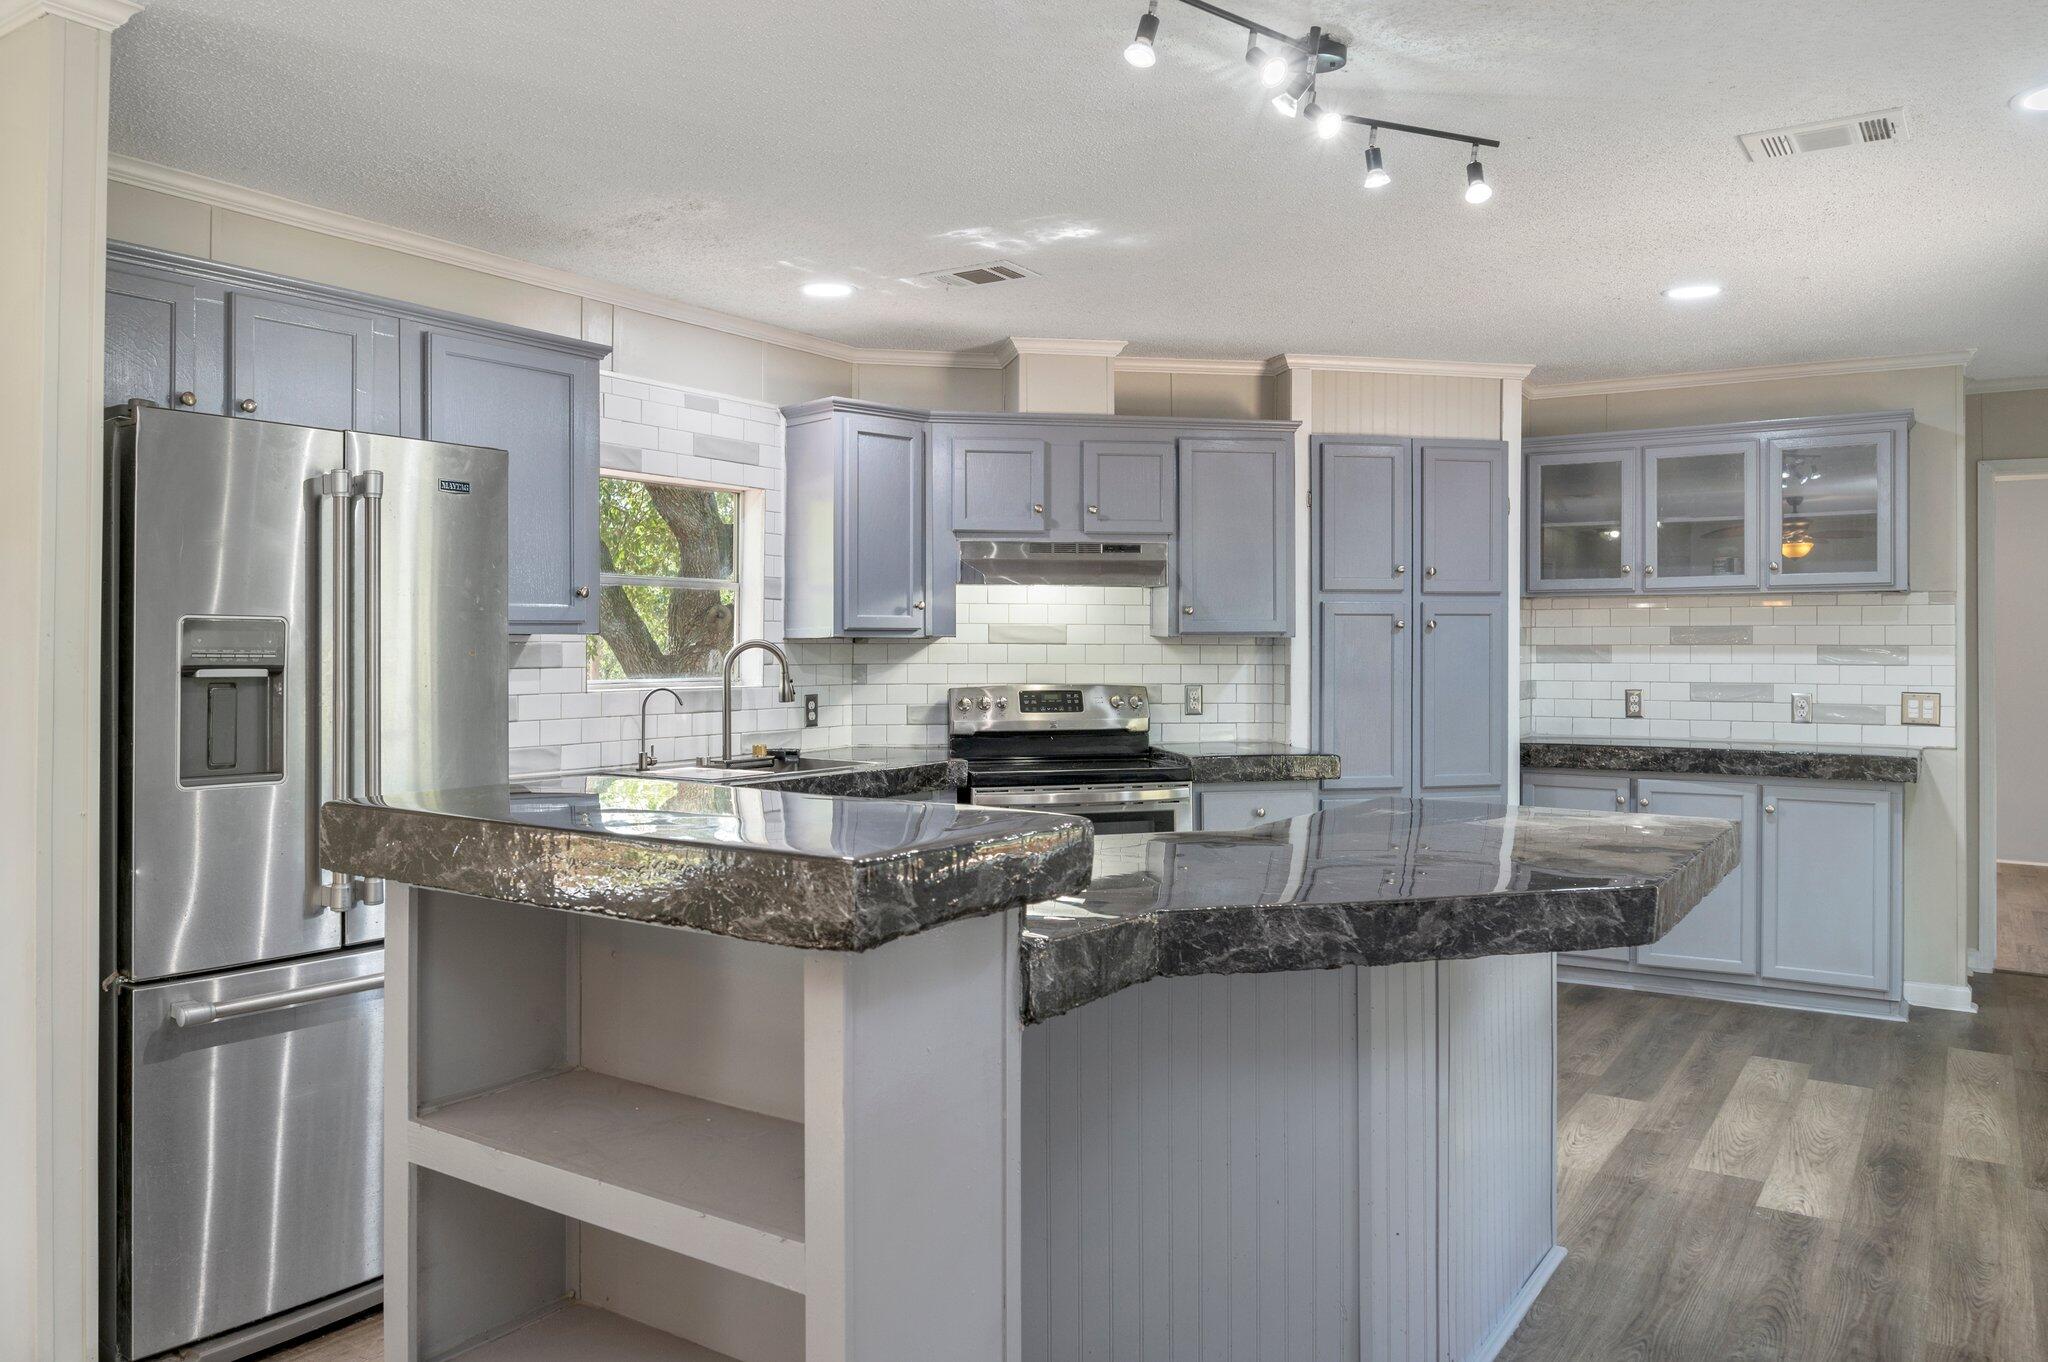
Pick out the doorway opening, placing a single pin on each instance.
(2012, 659)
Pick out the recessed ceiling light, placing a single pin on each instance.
(1691, 293)
(827, 288)
(2033, 101)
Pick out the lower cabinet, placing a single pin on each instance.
(1810, 916)
(1228, 808)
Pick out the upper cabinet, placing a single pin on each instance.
(1055, 478)
(1233, 568)
(1464, 504)
(213, 338)
(1815, 504)
(999, 484)
(857, 559)
(1127, 487)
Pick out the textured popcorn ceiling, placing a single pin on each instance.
(722, 153)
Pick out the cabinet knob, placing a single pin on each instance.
(1038, 507)
(1643, 803)
(1429, 572)
(1626, 569)
(1770, 808)
(1429, 627)
(1400, 569)
(919, 605)
(1400, 624)
(1649, 569)
(188, 399)
(1775, 566)
(246, 404)
(1258, 813)
(1187, 610)
(582, 593)
(1620, 799)
(1092, 511)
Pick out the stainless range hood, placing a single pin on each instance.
(1039, 562)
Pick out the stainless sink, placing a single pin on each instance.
(745, 775)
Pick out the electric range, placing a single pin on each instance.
(1076, 749)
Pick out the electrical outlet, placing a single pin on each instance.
(1802, 707)
(1631, 704)
(810, 711)
(1920, 707)
(1192, 704)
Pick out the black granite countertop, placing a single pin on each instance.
(1889, 765)
(747, 861)
(883, 773)
(1382, 882)
(1245, 763)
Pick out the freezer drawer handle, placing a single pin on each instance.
(198, 1014)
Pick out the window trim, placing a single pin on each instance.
(738, 583)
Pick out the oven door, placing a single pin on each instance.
(1111, 808)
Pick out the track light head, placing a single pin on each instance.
(1298, 92)
(1376, 176)
(1272, 69)
(1477, 190)
(1140, 53)
(1327, 122)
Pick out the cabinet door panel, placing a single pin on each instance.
(312, 364)
(1827, 858)
(1464, 519)
(1595, 794)
(1236, 528)
(1583, 513)
(152, 324)
(882, 549)
(1701, 524)
(1720, 934)
(533, 404)
(1127, 487)
(999, 485)
(1363, 497)
(1364, 662)
(1462, 696)
(1832, 504)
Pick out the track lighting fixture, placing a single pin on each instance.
(1477, 190)
(1290, 67)
(1376, 176)
(1140, 53)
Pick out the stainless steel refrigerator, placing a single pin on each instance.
(291, 614)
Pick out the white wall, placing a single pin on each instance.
(2018, 602)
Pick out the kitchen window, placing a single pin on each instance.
(670, 583)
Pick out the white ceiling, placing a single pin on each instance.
(723, 153)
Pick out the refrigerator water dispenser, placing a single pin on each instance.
(230, 700)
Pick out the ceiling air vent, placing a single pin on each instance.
(994, 272)
(1862, 130)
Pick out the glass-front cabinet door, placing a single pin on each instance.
(1587, 513)
(1700, 515)
(1831, 501)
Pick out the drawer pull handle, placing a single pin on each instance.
(188, 399)
(1643, 803)
(198, 1014)
(246, 404)
(1620, 800)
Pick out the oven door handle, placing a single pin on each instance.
(1065, 798)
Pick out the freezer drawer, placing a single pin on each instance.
(250, 1139)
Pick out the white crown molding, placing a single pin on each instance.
(1973, 386)
(1763, 373)
(1369, 364)
(105, 15)
(1159, 364)
(1010, 347)
(933, 359)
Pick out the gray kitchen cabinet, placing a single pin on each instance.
(1233, 568)
(1411, 681)
(1364, 652)
(1719, 935)
(1000, 484)
(308, 354)
(1827, 870)
(1815, 503)
(1464, 496)
(1594, 794)
(857, 560)
(1229, 808)
(154, 346)
(1127, 487)
(540, 407)
(311, 362)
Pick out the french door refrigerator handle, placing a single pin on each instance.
(198, 1013)
(334, 778)
(370, 711)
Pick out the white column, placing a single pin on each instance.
(1293, 398)
(53, 239)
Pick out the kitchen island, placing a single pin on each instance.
(688, 1071)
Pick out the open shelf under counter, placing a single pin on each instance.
(577, 1330)
(713, 1182)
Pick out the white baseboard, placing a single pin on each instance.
(1980, 963)
(1511, 1318)
(2014, 860)
(1947, 997)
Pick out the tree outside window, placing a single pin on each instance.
(668, 604)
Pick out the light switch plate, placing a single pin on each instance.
(1920, 707)
(1632, 704)
(1802, 707)
(1192, 704)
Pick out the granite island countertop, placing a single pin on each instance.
(1755, 761)
(889, 772)
(747, 861)
(1251, 762)
(1387, 881)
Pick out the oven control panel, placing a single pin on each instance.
(1048, 708)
